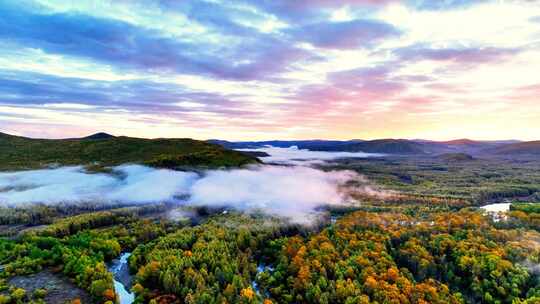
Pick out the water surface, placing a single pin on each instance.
(119, 268)
(495, 208)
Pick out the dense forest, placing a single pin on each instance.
(269, 152)
(418, 238)
(363, 257)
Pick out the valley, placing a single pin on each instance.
(270, 152)
(314, 227)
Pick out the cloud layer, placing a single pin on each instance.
(247, 70)
(132, 184)
(292, 192)
(295, 156)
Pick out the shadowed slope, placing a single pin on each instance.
(523, 148)
(26, 153)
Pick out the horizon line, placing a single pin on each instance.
(277, 139)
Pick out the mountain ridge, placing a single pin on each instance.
(103, 150)
(522, 148)
(386, 146)
(400, 146)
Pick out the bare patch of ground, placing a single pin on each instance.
(59, 289)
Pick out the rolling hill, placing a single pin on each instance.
(463, 142)
(387, 146)
(455, 157)
(522, 148)
(102, 149)
(301, 144)
(100, 135)
(391, 146)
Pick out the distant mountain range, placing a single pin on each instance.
(103, 149)
(521, 148)
(401, 146)
(302, 144)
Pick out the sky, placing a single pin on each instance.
(271, 69)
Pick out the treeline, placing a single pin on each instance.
(40, 214)
(399, 199)
(506, 191)
(36, 215)
(71, 225)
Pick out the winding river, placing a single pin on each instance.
(120, 270)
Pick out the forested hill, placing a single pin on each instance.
(399, 146)
(106, 150)
(523, 148)
(390, 146)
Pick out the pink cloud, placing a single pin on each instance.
(347, 92)
(456, 55)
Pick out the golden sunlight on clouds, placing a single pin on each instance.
(253, 71)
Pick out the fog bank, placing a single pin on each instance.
(130, 184)
(293, 192)
(295, 156)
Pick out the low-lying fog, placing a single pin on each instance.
(290, 191)
(293, 155)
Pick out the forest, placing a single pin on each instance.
(269, 152)
(424, 241)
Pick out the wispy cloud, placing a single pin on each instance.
(261, 69)
(344, 35)
(455, 55)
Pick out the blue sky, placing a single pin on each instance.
(270, 69)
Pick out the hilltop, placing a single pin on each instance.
(18, 152)
(462, 141)
(455, 157)
(99, 135)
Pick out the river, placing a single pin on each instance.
(497, 211)
(120, 270)
(499, 207)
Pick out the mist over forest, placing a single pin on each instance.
(270, 152)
